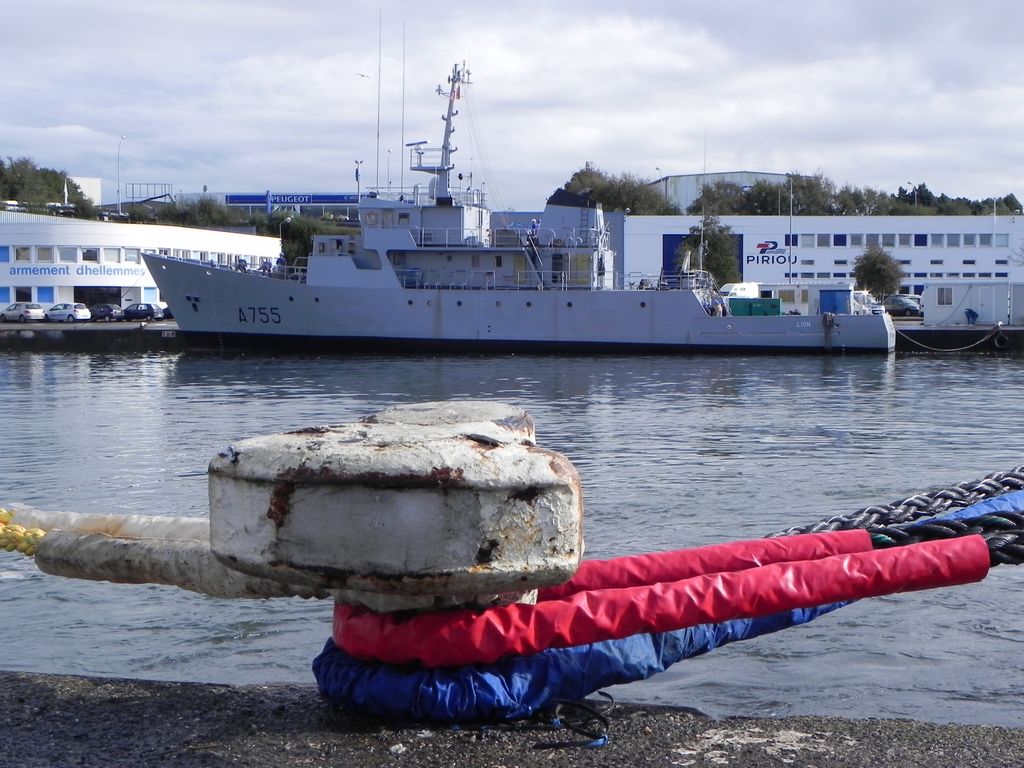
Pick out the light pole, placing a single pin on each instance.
(119, 174)
(389, 173)
(914, 189)
(358, 163)
(789, 271)
(280, 230)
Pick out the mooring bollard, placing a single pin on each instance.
(419, 506)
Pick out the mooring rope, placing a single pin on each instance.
(18, 538)
(993, 332)
(1003, 532)
(919, 505)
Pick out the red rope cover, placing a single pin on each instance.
(458, 637)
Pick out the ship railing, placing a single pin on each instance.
(446, 237)
(697, 280)
(418, 195)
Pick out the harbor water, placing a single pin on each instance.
(673, 452)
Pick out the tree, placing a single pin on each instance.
(720, 250)
(877, 272)
(621, 193)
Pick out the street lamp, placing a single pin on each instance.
(280, 229)
(119, 174)
(912, 187)
(789, 271)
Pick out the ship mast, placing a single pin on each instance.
(458, 78)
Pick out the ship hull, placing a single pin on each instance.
(222, 308)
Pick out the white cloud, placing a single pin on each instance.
(245, 96)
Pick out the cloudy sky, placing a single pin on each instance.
(250, 95)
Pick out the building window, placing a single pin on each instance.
(945, 295)
(1002, 240)
(904, 262)
(920, 274)
(807, 240)
(938, 241)
(952, 241)
(888, 241)
(936, 262)
(68, 253)
(793, 240)
(839, 274)
(969, 274)
(44, 253)
(953, 274)
(1003, 262)
(1002, 274)
(111, 255)
(131, 255)
(920, 241)
(934, 274)
(873, 240)
(90, 254)
(985, 241)
(22, 293)
(806, 262)
(824, 241)
(824, 274)
(840, 262)
(970, 241)
(906, 241)
(984, 274)
(807, 275)
(22, 253)
(856, 241)
(839, 241)
(969, 261)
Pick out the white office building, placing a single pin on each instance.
(51, 259)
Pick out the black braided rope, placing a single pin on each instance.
(919, 505)
(1003, 532)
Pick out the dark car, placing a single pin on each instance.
(902, 305)
(143, 312)
(106, 312)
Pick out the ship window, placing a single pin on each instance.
(403, 218)
(497, 260)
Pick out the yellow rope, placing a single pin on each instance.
(18, 538)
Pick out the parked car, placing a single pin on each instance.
(168, 315)
(67, 312)
(106, 312)
(902, 305)
(143, 312)
(22, 312)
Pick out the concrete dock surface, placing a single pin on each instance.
(54, 720)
